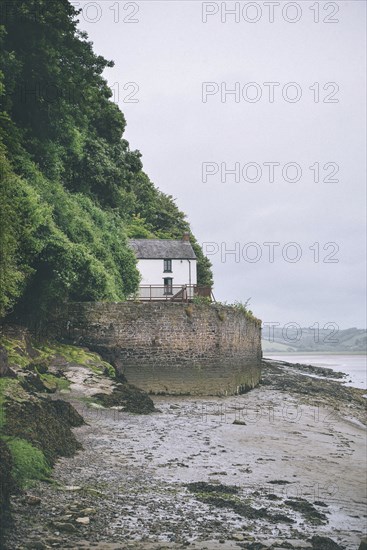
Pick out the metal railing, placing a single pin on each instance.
(171, 293)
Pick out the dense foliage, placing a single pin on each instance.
(72, 190)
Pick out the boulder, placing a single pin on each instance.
(64, 527)
(324, 543)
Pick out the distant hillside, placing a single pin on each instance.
(278, 340)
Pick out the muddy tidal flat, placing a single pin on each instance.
(283, 466)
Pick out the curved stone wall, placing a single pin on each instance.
(168, 347)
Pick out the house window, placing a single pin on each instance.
(167, 266)
(168, 285)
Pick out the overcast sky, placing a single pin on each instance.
(172, 71)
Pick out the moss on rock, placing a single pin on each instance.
(28, 462)
(16, 351)
(45, 424)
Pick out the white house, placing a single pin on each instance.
(167, 267)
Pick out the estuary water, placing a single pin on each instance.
(355, 366)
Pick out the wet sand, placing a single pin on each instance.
(279, 465)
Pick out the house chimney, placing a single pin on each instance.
(186, 237)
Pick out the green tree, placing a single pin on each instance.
(72, 190)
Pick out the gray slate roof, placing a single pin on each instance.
(159, 249)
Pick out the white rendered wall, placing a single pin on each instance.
(152, 272)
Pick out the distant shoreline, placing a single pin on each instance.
(352, 365)
(315, 353)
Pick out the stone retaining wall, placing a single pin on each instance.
(168, 347)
